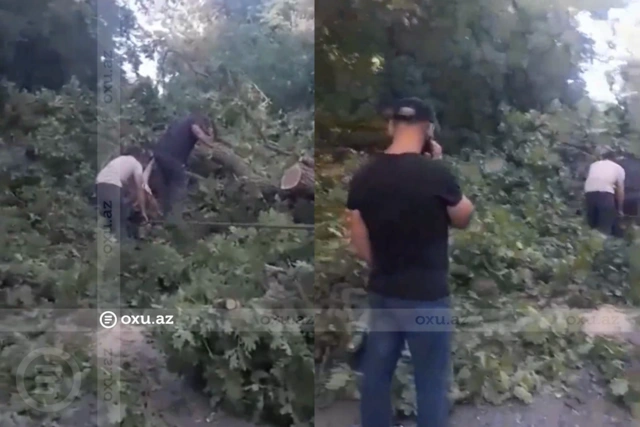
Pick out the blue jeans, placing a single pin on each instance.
(394, 322)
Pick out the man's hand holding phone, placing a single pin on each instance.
(436, 150)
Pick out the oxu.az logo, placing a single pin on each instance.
(41, 379)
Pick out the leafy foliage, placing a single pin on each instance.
(516, 274)
(519, 131)
(50, 154)
(38, 36)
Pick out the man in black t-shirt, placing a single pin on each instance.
(401, 205)
(171, 153)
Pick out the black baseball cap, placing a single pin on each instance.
(413, 110)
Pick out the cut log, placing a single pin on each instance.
(291, 177)
(299, 178)
(235, 164)
(230, 160)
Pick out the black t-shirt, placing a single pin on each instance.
(178, 141)
(403, 200)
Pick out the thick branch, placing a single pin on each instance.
(235, 164)
(299, 178)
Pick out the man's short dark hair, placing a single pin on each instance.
(413, 110)
(202, 120)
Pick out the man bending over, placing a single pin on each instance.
(112, 184)
(604, 194)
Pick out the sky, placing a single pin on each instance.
(594, 73)
(148, 67)
(601, 32)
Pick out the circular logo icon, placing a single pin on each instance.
(47, 373)
(108, 319)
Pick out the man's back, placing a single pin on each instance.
(120, 171)
(403, 201)
(179, 140)
(603, 176)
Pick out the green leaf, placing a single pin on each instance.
(464, 373)
(504, 380)
(338, 380)
(522, 394)
(181, 337)
(619, 386)
(116, 413)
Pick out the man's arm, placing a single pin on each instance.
(146, 174)
(357, 230)
(140, 190)
(459, 208)
(619, 190)
(460, 214)
(359, 236)
(202, 136)
(150, 200)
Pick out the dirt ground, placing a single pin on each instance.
(545, 411)
(172, 403)
(586, 406)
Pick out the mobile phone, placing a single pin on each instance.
(427, 148)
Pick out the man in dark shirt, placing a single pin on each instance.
(171, 153)
(401, 205)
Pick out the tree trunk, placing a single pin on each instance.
(299, 179)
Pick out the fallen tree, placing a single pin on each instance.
(299, 179)
(296, 183)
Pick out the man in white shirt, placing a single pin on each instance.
(121, 175)
(604, 194)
